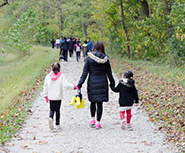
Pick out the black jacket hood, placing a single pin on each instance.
(127, 83)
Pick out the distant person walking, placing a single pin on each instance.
(98, 70)
(71, 46)
(53, 92)
(65, 46)
(77, 49)
(127, 97)
(85, 49)
(58, 43)
(90, 44)
(52, 43)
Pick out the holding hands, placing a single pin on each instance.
(76, 87)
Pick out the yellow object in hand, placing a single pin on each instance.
(82, 103)
(73, 101)
(78, 101)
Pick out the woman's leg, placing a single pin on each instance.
(92, 109)
(57, 109)
(99, 110)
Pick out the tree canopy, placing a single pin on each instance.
(141, 29)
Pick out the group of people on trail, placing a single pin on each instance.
(98, 70)
(56, 43)
(72, 45)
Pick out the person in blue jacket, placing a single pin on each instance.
(90, 44)
(98, 69)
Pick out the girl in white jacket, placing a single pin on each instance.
(53, 92)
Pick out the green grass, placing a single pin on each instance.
(176, 74)
(19, 73)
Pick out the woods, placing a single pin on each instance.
(145, 29)
(145, 36)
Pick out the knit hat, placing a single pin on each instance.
(128, 74)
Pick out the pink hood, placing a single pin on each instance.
(54, 76)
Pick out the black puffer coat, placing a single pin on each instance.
(98, 67)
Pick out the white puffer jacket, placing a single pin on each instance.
(54, 85)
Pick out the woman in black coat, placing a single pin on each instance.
(98, 67)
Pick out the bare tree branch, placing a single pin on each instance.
(5, 3)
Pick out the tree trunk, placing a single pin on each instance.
(60, 17)
(5, 3)
(84, 27)
(102, 32)
(111, 39)
(125, 29)
(145, 8)
(168, 10)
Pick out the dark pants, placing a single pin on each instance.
(52, 46)
(55, 108)
(99, 110)
(65, 55)
(58, 45)
(77, 56)
(70, 52)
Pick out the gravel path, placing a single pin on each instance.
(76, 136)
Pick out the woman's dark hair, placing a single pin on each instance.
(99, 47)
(85, 41)
(56, 67)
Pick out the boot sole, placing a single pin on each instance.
(51, 124)
(92, 125)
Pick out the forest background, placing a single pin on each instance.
(145, 36)
(140, 29)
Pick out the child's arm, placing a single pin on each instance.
(45, 89)
(66, 84)
(136, 95)
(115, 89)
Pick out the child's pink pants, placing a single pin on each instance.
(122, 115)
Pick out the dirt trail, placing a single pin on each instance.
(76, 135)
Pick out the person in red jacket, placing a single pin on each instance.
(127, 97)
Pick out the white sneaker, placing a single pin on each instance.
(51, 124)
(58, 127)
(129, 127)
(123, 124)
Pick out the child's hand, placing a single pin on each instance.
(46, 99)
(136, 104)
(76, 87)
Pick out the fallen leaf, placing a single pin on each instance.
(26, 146)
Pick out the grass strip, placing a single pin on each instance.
(18, 108)
(18, 74)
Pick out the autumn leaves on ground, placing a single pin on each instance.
(162, 100)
